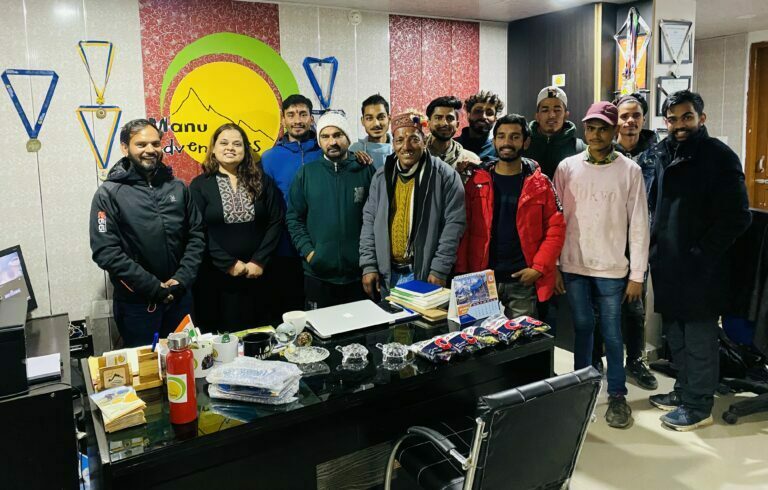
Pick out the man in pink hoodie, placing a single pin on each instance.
(606, 213)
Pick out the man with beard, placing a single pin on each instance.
(482, 110)
(325, 214)
(147, 234)
(515, 223)
(606, 210)
(377, 144)
(553, 137)
(414, 216)
(700, 208)
(297, 147)
(443, 120)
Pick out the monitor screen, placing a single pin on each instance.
(14, 279)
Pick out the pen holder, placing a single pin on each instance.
(148, 368)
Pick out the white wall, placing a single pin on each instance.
(493, 59)
(45, 198)
(721, 63)
(669, 10)
(362, 52)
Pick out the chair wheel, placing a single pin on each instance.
(730, 417)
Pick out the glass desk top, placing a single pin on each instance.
(330, 381)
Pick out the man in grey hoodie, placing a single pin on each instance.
(414, 217)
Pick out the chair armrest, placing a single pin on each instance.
(439, 440)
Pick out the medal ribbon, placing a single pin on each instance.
(110, 57)
(308, 62)
(32, 132)
(101, 159)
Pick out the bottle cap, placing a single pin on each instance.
(178, 341)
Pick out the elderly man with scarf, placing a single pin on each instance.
(414, 217)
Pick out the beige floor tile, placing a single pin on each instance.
(647, 456)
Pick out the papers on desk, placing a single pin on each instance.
(44, 367)
(120, 408)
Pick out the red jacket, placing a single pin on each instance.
(540, 225)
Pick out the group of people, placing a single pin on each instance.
(320, 220)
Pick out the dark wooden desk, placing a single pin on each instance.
(237, 445)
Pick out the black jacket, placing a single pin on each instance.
(549, 151)
(701, 207)
(144, 233)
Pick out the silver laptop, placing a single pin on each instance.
(335, 320)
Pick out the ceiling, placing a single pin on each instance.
(723, 17)
(488, 10)
(713, 17)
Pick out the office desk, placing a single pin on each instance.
(237, 445)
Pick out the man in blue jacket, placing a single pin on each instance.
(147, 234)
(297, 147)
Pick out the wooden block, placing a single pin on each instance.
(113, 376)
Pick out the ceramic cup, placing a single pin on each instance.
(224, 352)
(258, 344)
(203, 352)
(296, 318)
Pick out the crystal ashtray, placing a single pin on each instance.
(306, 355)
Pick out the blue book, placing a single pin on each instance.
(418, 288)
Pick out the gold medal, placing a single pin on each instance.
(103, 172)
(34, 145)
(101, 113)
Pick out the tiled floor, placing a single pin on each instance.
(647, 456)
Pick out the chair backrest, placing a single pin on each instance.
(535, 432)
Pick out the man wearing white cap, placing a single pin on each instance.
(325, 214)
(553, 137)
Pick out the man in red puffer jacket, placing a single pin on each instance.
(515, 223)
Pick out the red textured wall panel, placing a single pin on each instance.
(430, 58)
(167, 26)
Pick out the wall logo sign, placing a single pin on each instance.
(222, 92)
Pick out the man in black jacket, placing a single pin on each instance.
(147, 234)
(700, 208)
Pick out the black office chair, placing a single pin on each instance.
(526, 437)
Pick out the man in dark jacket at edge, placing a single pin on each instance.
(700, 208)
(553, 138)
(297, 147)
(147, 234)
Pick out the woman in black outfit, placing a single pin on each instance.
(241, 209)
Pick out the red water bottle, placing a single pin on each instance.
(180, 380)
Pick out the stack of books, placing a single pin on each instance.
(421, 294)
(120, 408)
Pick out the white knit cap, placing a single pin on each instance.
(553, 92)
(336, 120)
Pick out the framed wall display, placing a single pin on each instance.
(675, 42)
(669, 85)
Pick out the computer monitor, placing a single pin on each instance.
(14, 279)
